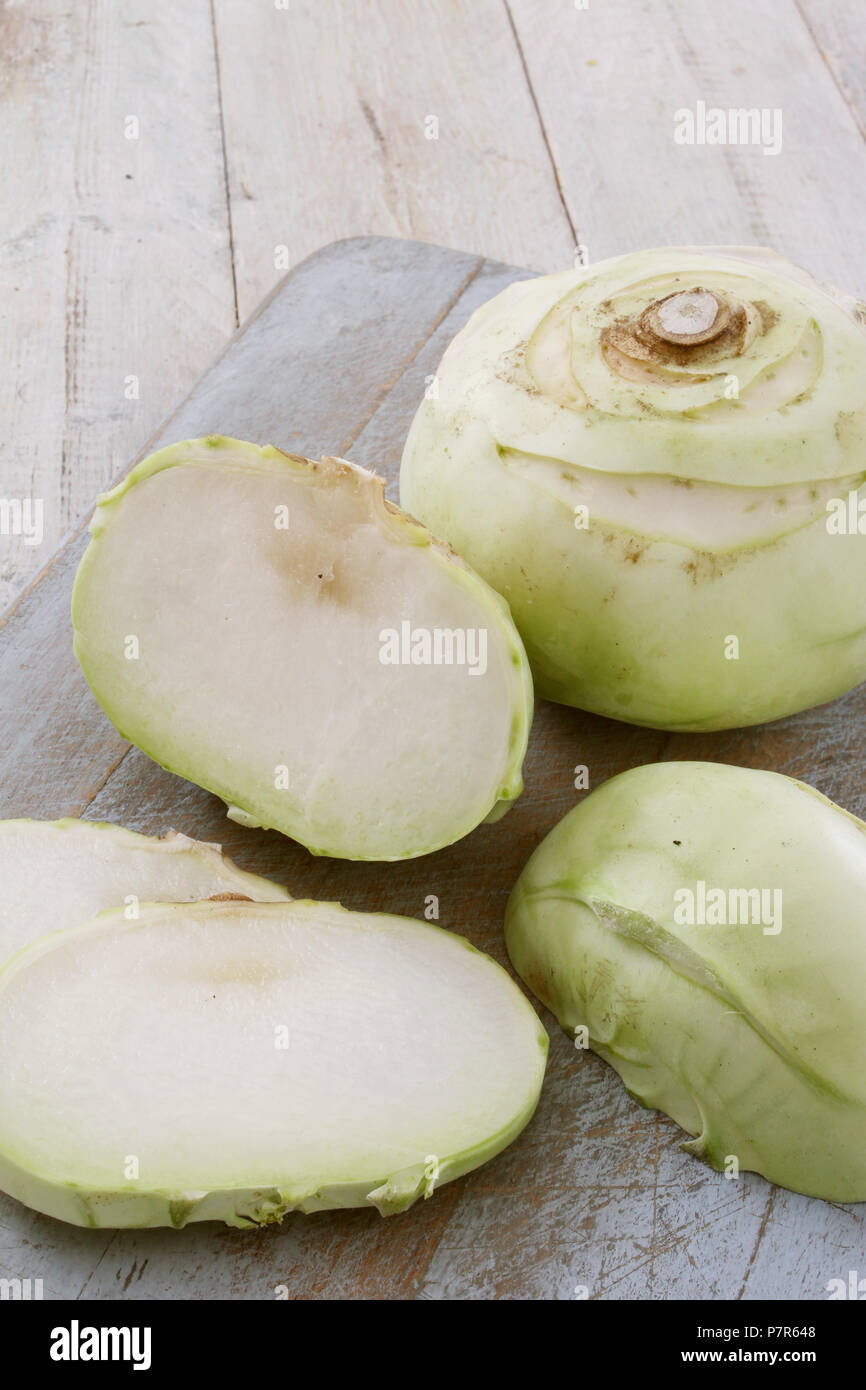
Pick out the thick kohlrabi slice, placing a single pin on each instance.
(58, 874)
(233, 1062)
(701, 927)
(276, 631)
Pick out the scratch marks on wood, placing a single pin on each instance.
(225, 167)
(93, 792)
(110, 1238)
(370, 117)
(132, 1274)
(530, 86)
(762, 1231)
(74, 358)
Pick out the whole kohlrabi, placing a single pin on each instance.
(659, 462)
(704, 925)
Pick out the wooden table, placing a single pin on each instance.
(595, 1198)
(164, 163)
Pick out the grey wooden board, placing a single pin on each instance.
(596, 1193)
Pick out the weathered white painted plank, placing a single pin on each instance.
(839, 30)
(114, 251)
(609, 79)
(328, 105)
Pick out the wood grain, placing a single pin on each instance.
(596, 1193)
(837, 30)
(612, 77)
(331, 138)
(266, 132)
(114, 251)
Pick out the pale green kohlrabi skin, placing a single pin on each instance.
(236, 1061)
(58, 874)
(750, 1034)
(658, 462)
(251, 620)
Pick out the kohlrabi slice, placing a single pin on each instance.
(230, 1061)
(276, 631)
(704, 925)
(58, 874)
(659, 461)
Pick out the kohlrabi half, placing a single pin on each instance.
(235, 1061)
(701, 927)
(58, 874)
(659, 462)
(278, 632)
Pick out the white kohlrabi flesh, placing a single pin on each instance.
(58, 874)
(705, 924)
(276, 631)
(659, 461)
(231, 1061)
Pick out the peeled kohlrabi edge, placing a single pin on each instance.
(705, 924)
(276, 631)
(58, 874)
(230, 1061)
(659, 461)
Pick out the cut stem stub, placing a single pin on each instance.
(687, 318)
